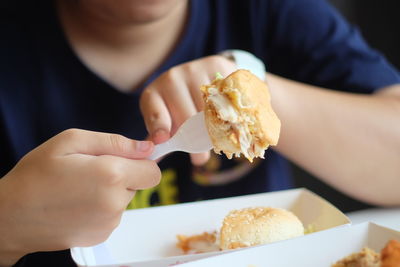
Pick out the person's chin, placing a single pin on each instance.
(146, 11)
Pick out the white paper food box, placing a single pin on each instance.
(318, 250)
(147, 237)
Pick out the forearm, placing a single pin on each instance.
(350, 141)
(10, 252)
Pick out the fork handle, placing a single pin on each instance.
(162, 149)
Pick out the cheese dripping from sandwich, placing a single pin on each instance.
(239, 116)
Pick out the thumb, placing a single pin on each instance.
(75, 141)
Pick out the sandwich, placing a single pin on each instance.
(239, 116)
(244, 228)
(256, 226)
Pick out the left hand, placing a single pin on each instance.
(175, 96)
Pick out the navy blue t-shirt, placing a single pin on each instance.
(45, 88)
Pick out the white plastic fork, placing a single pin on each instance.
(191, 137)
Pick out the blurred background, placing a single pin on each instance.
(379, 23)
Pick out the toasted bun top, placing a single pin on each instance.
(259, 225)
(257, 102)
(239, 115)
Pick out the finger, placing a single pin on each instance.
(132, 174)
(156, 116)
(129, 195)
(74, 141)
(194, 88)
(199, 159)
(148, 175)
(180, 105)
(142, 174)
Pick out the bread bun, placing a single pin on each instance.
(256, 226)
(239, 116)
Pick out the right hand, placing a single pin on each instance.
(175, 96)
(71, 191)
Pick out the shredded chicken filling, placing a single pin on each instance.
(240, 123)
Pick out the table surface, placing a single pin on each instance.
(389, 217)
